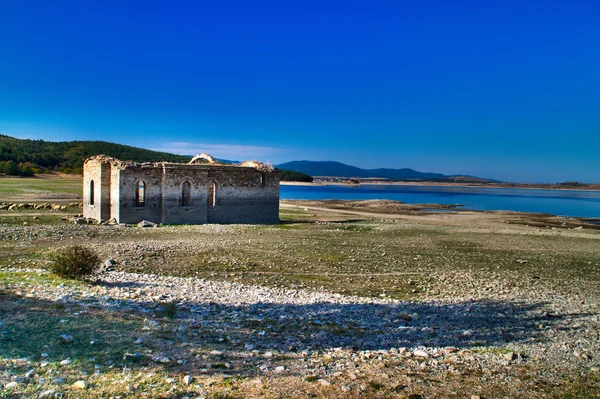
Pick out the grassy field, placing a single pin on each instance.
(54, 187)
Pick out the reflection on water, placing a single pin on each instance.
(556, 202)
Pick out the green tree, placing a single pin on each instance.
(11, 168)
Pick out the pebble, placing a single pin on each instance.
(138, 341)
(66, 337)
(47, 393)
(187, 380)
(80, 384)
(66, 362)
(421, 353)
(324, 382)
(11, 385)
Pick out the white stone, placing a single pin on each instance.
(47, 393)
(80, 384)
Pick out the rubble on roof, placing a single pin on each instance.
(256, 165)
(196, 160)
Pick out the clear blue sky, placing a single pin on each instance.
(500, 89)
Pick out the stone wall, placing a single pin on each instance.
(242, 195)
(129, 211)
(97, 207)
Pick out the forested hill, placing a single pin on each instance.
(68, 156)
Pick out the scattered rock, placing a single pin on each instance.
(47, 393)
(66, 338)
(187, 380)
(80, 384)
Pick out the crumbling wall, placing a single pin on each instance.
(115, 196)
(174, 212)
(129, 211)
(96, 205)
(243, 194)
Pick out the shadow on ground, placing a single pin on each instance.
(214, 335)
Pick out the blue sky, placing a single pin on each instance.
(501, 89)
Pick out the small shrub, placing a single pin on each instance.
(75, 262)
(170, 310)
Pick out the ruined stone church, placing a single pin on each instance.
(201, 191)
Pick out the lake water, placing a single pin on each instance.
(578, 203)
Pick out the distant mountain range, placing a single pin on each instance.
(25, 157)
(338, 169)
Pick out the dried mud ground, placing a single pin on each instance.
(347, 299)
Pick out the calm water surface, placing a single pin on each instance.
(556, 202)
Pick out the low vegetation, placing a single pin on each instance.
(75, 262)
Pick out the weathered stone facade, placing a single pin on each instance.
(173, 193)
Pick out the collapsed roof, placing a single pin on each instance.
(208, 159)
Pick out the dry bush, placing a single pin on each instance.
(75, 262)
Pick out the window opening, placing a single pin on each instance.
(212, 195)
(140, 194)
(91, 192)
(186, 191)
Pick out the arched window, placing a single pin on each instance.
(91, 192)
(212, 194)
(140, 194)
(186, 193)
